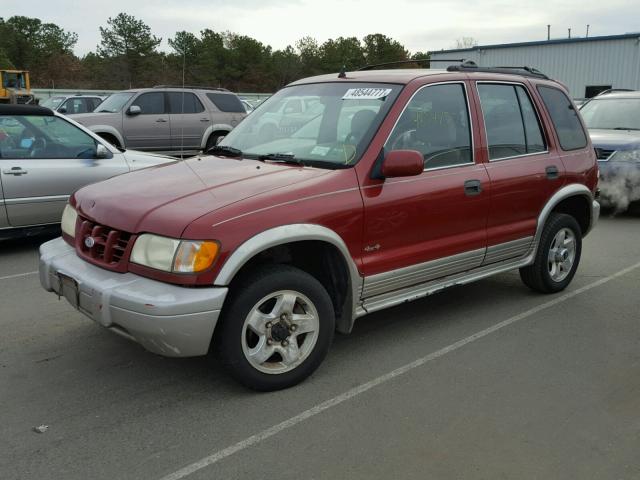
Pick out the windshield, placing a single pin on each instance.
(115, 102)
(53, 102)
(324, 124)
(613, 113)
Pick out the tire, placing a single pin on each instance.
(111, 139)
(551, 275)
(254, 341)
(213, 140)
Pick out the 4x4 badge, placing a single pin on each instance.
(372, 248)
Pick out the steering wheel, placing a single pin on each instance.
(403, 141)
(39, 145)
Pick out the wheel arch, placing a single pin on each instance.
(108, 130)
(313, 248)
(213, 129)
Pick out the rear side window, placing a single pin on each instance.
(564, 117)
(184, 102)
(510, 121)
(150, 103)
(226, 102)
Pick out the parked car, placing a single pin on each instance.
(44, 158)
(164, 119)
(613, 120)
(260, 253)
(247, 106)
(73, 104)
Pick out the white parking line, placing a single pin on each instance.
(16, 275)
(354, 392)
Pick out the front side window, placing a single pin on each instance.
(333, 127)
(510, 121)
(612, 113)
(184, 102)
(564, 117)
(436, 123)
(150, 103)
(43, 137)
(53, 102)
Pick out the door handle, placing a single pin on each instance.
(204, 120)
(552, 172)
(161, 120)
(472, 187)
(15, 171)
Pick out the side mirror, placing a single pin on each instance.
(134, 110)
(402, 163)
(102, 151)
(62, 110)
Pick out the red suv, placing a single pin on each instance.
(402, 183)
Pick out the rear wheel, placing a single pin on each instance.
(557, 257)
(276, 329)
(111, 139)
(213, 139)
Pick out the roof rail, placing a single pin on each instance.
(613, 90)
(192, 87)
(470, 66)
(406, 62)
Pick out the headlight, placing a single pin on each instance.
(171, 255)
(68, 222)
(626, 156)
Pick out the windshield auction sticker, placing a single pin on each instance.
(366, 93)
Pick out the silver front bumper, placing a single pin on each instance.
(166, 319)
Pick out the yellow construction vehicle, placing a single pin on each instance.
(15, 87)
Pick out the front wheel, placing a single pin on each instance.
(557, 257)
(276, 329)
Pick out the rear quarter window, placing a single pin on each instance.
(226, 102)
(564, 117)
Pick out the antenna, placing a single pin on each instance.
(184, 66)
(548, 32)
(587, 30)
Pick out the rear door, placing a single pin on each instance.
(522, 168)
(45, 160)
(228, 108)
(429, 226)
(188, 120)
(150, 129)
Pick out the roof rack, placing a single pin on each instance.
(405, 62)
(470, 66)
(193, 87)
(614, 90)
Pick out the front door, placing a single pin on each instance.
(523, 171)
(150, 129)
(44, 159)
(429, 226)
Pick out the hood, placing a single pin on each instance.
(137, 159)
(88, 119)
(615, 139)
(165, 199)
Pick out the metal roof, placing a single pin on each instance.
(541, 42)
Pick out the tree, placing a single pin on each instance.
(128, 42)
(465, 42)
(4, 60)
(347, 52)
(379, 48)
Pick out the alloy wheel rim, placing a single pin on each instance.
(562, 254)
(280, 332)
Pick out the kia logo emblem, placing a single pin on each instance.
(89, 242)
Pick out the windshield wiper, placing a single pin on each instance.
(225, 150)
(281, 157)
(625, 128)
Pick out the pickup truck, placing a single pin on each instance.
(403, 182)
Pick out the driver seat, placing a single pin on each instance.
(360, 123)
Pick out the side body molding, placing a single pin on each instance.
(296, 232)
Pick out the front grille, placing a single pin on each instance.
(103, 245)
(603, 153)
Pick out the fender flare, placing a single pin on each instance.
(288, 234)
(98, 129)
(213, 128)
(571, 190)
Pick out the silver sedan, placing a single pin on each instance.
(44, 158)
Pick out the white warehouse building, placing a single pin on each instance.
(586, 65)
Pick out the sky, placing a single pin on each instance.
(419, 25)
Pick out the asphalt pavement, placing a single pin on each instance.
(485, 381)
